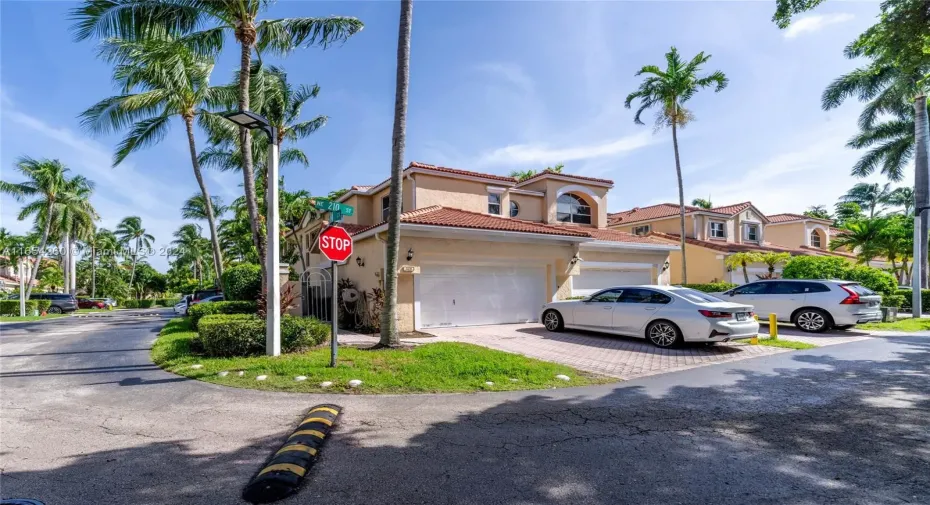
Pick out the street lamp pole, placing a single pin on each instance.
(916, 301)
(254, 121)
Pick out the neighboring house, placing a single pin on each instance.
(713, 234)
(9, 278)
(483, 249)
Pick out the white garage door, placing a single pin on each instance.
(472, 295)
(591, 281)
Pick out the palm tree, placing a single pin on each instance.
(669, 89)
(99, 238)
(170, 81)
(896, 242)
(195, 207)
(73, 219)
(389, 336)
(860, 236)
(131, 233)
(522, 175)
(818, 212)
(294, 206)
(742, 260)
(902, 197)
(772, 259)
(702, 203)
(46, 180)
(868, 196)
(189, 251)
(139, 19)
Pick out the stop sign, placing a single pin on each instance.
(336, 244)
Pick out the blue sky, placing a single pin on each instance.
(495, 86)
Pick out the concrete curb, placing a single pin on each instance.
(283, 472)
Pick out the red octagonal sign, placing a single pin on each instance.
(336, 244)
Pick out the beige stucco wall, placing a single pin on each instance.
(670, 225)
(455, 193)
(703, 265)
(531, 207)
(788, 234)
(748, 216)
(597, 202)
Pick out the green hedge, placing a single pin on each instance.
(11, 307)
(146, 303)
(893, 300)
(242, 282)
(831, 267)
(906, 305)
(167, 302)
(42, 305)
(225, 335)
(210, 308)
(713, 287)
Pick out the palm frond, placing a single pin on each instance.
(294, 155)
(135, 19)
(142, 134)
(283, 35)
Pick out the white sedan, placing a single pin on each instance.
(665, 315)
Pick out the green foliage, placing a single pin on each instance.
(146, 303)
(42, 305)
(713, 287)
(167, 302)
(224, 335)
(211, 308)
(893, 300)
(818, 212)
(11, 307)
(907, 304)
(824, 267)
(128, 303)
(243, 282)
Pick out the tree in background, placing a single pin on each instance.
(131, 233)
(188, 249)
(771, 260)
(868, 196)
(847, 212)
(895, 242)
(860, 236)
(668, 90)
(522, 175)
(73, 219)
(902, 197)
(742, 260)
(702, 203)
(818, 212)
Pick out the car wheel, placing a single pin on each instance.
(812, 320)
(552, 320)
(663, 334)
(54, 310)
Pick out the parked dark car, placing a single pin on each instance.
(61, 302)
(87, 303)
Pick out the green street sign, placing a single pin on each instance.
(333, 206)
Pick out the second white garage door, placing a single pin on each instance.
(472, 295)
(591, 281)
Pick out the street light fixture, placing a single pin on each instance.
(252, 121)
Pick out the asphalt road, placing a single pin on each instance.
(87, 419)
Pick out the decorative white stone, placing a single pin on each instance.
(514, 380)
(488, 383)
(563, 377)
(196, 367)
(354, 383)
(223, 374)
(326, 384)
(261, 377)
(240, 374)
(300, 378)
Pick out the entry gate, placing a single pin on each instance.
(316, 289)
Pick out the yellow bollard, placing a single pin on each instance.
(773, 327)
(754, 340)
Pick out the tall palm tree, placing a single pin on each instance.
(131, 233)
(702, 203)
(522, 175)
(195, 207)
(189, 251)
(160, 79)
(73, 219)
(818, 212)
(902, 197)
(139, 19)
(868, 196)
(98, 239)
(389, 336)
(46, 180)
(669, 89)
(860, 236)
(294, 206)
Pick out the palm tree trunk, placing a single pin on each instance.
(745, 273)
(245, 144)
(207, 203)
(132, 273)
(66, 262)
(681, 203)
(41, 253)
(389, 313)
(921, 177)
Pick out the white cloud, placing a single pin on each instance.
(815, 23)
(538, 153)
(509, 72)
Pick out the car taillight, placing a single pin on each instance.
(852, 299)
(715, 314)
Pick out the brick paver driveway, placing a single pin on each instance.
(620, 357)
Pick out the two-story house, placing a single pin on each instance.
(713, 234)
(480, 248)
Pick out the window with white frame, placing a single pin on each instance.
(718, 229)
(385, 207)
(815, 239)
(514, 209)
(572, 209)
(752, 233)
(641, 230)
(494, 204)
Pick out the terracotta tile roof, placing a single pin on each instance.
(788, 217)
(622, 236)
(661, 210)
(836, 231)
(354, 228)
(361, 188)
(732, 210)
(570, 176)
(502, 178)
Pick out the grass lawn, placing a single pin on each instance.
(786, 344)
(14, 319)
(432, 368)
(909, 324)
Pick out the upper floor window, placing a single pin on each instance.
(572, 209)
(718, 229)
(514, 209)
(494, 204)
(752, 232)
(815, 239)
(641, 230)
(385, 207)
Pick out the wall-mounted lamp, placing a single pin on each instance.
(359, 261)
(729, 269)
(409, 254)
(666, 266)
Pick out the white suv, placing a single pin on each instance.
(812, 305)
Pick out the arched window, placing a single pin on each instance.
(815, 239)
(572, 209)
(514, 209)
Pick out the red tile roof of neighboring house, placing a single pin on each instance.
(788, 217)
(360, 188)
(661, 210)
(730, 247)
(502, 178)
(621, 236)
(836, 231)
(570, 176)
(732, 210)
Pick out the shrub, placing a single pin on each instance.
(227, 335)
(906, 305)
(146, 303)
(205, 309)
(877, 280)
(167, 302)
(893, 301)
(11, 307)
(713, 287)
(242, 282)
(42, 305)
(822, 267)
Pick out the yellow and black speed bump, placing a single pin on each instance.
(283, 473)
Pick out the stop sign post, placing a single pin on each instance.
(336, 245)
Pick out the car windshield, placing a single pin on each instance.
(859, 289)
(693, 295)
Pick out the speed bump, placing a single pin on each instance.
(284, 471)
